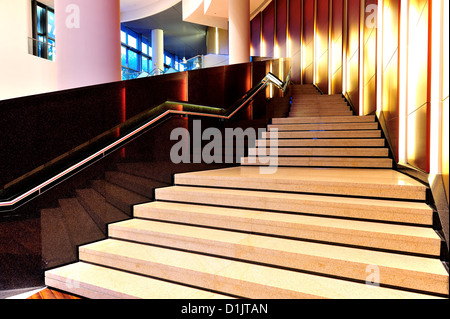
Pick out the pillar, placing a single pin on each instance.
(158, 50)
(239, 31)
(87, 42)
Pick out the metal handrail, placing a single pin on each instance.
(131, 131)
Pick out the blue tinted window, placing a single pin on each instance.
(133, 62)
(124, 56)
(51, 25)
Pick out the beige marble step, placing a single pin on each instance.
(327, 119)
(410, 239)
(379, 183)
(324, 134)
(323, 127)
(319, 107)
(322, 142)
(312, 113)
(227, 276)
(353, 152)
(319, 161)
(314, 98)
(97, 282)
(418, 273)
(357, 208)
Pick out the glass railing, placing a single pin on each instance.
(45, 177)
(41, 49)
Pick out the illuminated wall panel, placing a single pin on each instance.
(370, 57)
(390, 68)
(322, 31)
(445, 93)
(281, 35)
(268, 27)
(417, 145)
(295, 28)
(336, 46)
(255, 29)
(308, 41)
(353, 37)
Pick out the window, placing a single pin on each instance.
(43, 42)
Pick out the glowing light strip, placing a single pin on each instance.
(267, 79)
(403, 98)
(436, 88)
(380, 56)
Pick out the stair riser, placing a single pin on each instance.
(306, 206)
(319, 113)
(322, 152)
(322, 120)
(265, 223)
(269, 256)
(323, 127)
(322, 143)
(318, 134)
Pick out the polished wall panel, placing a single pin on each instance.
(308, 41)
(322, 36)
(255, 30)
(281, 32)
(353, 43)
(295, 28)
(418, 144)
(390, 69)
(268, 27)
(370, 57)
(445, 97)
(336, 46)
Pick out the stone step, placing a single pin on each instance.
(312, 113)
(119, 197)
(322, 142)
(323, 127)
(237, 278)
(56, 243)
(374, 235)
(97, 282)
(100, 210)
(327, 119)
(140, 185)
(353, 152)
(323, 134)
(422, 274)
(80, 226)
(319, 161)
(356, 208)
(319, 107)
(380, 183)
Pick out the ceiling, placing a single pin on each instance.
(183, 39)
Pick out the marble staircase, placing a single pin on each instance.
(334, 220)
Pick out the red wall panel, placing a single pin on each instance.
(281, 27)
(295, 28)
(268, 17)
(255, 29)
(336, 46)
(322, 31)
(308, 41)
(353, 33)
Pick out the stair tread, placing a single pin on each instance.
(119, 192)
(342, 180)
(141, 185)
(329, 151)
(318, 161)
(241, 278)
(324, 134)
(94, 281)
(319, 257)
(255, 218)
(323, 142)
(328, 127)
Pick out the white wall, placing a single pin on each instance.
(21, 74)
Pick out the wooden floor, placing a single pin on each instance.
(52, 294)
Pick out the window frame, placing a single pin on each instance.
(36, 43)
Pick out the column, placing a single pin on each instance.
(87, 42)
(158, 50)
(239, 31)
